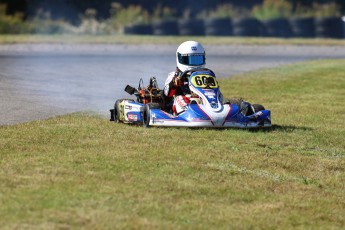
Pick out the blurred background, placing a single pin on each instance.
(271, 18)
(43, 80)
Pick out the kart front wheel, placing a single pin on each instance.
(146, 116)
(147, 113)
(258, 107)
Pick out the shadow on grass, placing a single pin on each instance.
(273, 128)
(282, 128)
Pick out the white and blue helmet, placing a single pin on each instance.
(190, 55)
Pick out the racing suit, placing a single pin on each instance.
(176, 92)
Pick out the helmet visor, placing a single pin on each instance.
(191, 59)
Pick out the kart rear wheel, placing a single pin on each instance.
(112, 111)
(117, 111)
(258, 107)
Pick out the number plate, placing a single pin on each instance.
(204, 81)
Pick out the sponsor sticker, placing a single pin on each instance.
(210, 93)
(132, 117)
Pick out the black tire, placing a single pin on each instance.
(191, 27)
(330, 27)
(138, 29)
(218, 27)
(247, 27)
(257, 107)
(302, 27)
(279, 27)
(112, 112)
(116, 113)
(146, 116)
(147, 113)
(165, 27)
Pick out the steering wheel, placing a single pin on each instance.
(190, 71)
(154, 91)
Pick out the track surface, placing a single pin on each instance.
(41, 81)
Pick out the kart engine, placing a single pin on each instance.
(148, 94)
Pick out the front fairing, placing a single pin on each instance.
(205, 85)
(201, 116)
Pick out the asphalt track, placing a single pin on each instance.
(42, 81)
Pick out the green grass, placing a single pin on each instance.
(134, 39)
(82, 171)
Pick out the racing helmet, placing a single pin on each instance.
(190, 55)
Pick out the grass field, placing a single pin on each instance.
(81, 171)
(134, 39)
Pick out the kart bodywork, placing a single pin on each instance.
(206, 108)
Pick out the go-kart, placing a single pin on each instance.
(206, 106)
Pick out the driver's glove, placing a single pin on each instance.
(177, 81)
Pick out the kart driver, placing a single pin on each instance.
(189, 55)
